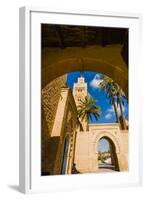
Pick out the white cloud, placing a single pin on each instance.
(96, 81)
(97, 76)
(111, 110)
(108, 116)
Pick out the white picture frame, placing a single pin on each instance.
(30, 178)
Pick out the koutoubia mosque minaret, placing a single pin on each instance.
(80, 92)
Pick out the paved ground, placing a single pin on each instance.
(106, 168)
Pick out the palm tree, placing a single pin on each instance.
(108, 86)
(120, 95)
(113, 91)
(87, 109)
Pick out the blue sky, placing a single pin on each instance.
(93, 79)
(103, 145)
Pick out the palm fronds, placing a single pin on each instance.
(87, 109)
(113, 91)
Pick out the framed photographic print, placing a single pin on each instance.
(79, 112)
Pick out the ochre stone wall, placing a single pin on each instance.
(65, 125)
(86, 152)
(106, 60)
(49, 102)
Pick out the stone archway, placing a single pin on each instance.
(110, 136)
(86, 153)
(115, 145)
(111, 162)
(107, 60)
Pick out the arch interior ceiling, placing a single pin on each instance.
(61, 42)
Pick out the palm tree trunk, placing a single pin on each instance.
(87, 125)
(87, 128)
(115, 109)
(122, 113)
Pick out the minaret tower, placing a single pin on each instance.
(80, 92)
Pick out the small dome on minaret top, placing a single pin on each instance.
(81, 79)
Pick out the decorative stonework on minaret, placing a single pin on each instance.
(80, 92)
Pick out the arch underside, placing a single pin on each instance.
(107, 60)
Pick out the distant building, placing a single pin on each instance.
(80, 92)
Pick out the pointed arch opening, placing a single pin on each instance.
(107, 156)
